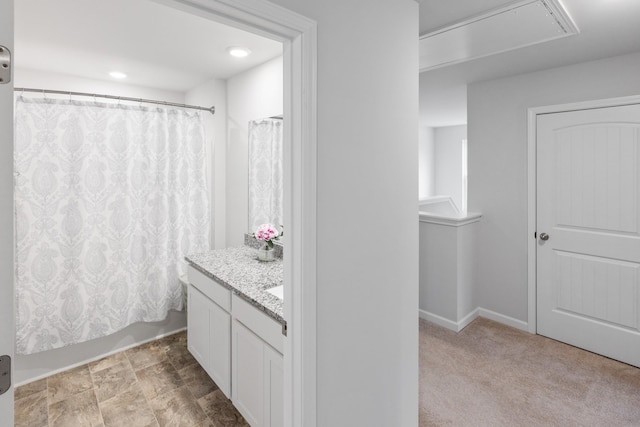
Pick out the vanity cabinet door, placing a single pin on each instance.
(258, 379)
(273, 388)
(198, 327)
(248, 374)
(209, 338)
(220, 333)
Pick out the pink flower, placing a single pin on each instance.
(266, 232)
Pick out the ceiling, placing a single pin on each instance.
(177, 51)
(607, 28)
(155, 45)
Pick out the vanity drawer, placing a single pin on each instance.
(212, 289)
(259, 323)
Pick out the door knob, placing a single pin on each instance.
(544, 236)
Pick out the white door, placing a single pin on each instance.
(6, 211)
(588, 201)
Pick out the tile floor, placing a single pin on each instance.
(155, 384)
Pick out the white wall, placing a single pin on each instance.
(367, 144)
(28, 368)
(497, 113)
(467, 265)
(442, 103)
(439, 270)
(214, 92)
(254, 94)
(448, 161)
(426, 163)
(40, 79)
(447, 272)
(440, 162)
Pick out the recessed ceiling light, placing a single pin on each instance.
(238, 51)
(118, 75)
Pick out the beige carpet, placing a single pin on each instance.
(493, 375)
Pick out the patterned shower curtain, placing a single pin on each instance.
(108, 201)
(265, 173)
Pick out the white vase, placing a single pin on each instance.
(266, 254)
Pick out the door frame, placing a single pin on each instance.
(299, 37)
(532, 170)
(7, 309)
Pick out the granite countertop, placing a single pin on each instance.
(239, 270)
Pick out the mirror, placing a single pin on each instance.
(266, 189)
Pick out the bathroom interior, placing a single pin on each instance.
(88, 145)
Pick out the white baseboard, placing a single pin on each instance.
(446, 323)
(438, 320)
(478, 312)
(464, 322)
(501, 318)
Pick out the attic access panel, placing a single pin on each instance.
(516, 25)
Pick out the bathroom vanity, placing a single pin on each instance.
(236, 330)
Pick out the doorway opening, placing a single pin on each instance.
(297, 34)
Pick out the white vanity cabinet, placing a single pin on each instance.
(240, 347)
(209, 327)
(257, 374)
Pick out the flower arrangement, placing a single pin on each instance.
(267, 233)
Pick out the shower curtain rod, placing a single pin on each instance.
(211, 109)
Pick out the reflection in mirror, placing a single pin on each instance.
(265, 173)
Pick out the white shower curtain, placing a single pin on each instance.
(265, 173)
(108, 201)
